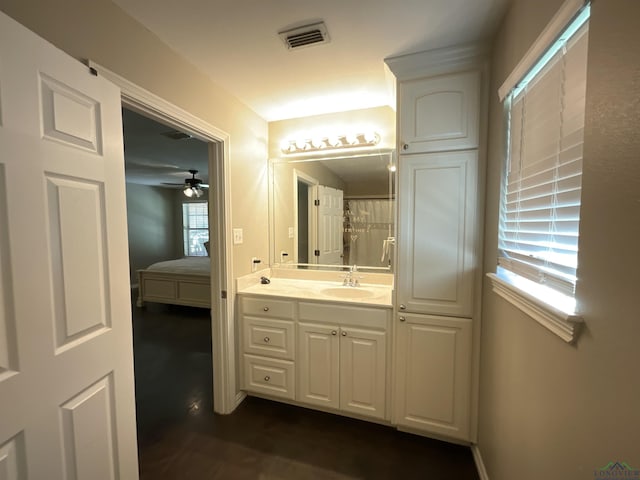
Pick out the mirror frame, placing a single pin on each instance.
(274, 260)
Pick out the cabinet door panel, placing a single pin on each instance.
(440, 113)
(363, 372)
(437, 232)
(433, 382)
(318, 364)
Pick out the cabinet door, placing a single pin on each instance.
(433, 377)
(363, 371)
(318, 364)
(440, 113)
(437, 232)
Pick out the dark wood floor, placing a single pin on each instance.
(180, 437)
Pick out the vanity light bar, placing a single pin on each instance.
(359, 140)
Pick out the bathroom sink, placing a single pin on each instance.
(347, 292)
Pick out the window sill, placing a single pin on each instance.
(564, 324)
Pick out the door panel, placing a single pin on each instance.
(440, 113)
(75, 210)
(87, 423)
(8, 354)
(363, 372)
(437, 233)
(66, 382)
(330, 225)
(318, 365)
(434, 370)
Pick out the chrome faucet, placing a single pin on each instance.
(349, 279)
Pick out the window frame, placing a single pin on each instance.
(186, 228)
(548, 306)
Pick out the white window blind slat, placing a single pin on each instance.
(541, 207)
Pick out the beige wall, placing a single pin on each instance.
(152, 225)
(548, 409)
(101, 31)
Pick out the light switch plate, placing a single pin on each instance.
(237, 236)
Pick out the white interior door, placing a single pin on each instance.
(66, 364)
(330, 225)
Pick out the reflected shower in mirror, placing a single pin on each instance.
(334, 211)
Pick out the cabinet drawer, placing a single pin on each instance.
(266, 307)
(269, 337)
(345, 315)
(269, 376)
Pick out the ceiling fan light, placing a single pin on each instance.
(197, 191)
(188, 191)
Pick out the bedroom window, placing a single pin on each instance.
(195, 224)
(540, 208)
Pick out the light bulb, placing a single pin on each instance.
(370, 137)
(188, 191)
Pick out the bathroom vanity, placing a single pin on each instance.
(406, 356)
(312, 341)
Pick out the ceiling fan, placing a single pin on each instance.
(192, 187)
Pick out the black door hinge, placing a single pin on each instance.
(316, 253)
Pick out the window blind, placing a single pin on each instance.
(541, 204)
(195, 222)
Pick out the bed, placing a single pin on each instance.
(185, 281)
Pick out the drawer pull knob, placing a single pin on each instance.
(266, 309)
(266, 339)
(344, 334)
(267, 378)
(333, 332)
(403, 306)
(402, 319)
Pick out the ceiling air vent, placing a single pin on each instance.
(176, 135)
(305, 36)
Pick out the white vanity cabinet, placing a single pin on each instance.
(268, 346)
(433, 374)
(343, 367)
(322, 354)
(439, 113)
(436, 323)
(437, 232)
(342, 357)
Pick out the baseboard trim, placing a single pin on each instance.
(477, 457)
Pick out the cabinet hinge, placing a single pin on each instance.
(316, 202)
(316, 253)
(223, 294)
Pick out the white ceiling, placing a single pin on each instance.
(152, 158)
(236, 43)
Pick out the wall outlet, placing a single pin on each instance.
(290, 232)
(237, 236)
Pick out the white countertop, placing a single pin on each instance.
(378, 295)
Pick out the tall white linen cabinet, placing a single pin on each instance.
(441, 132)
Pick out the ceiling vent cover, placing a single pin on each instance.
(299, 37)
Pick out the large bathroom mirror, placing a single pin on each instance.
(334, 211)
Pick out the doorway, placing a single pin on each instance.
(226, 395)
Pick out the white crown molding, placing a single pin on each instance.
(438, 61)
(565, 325)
